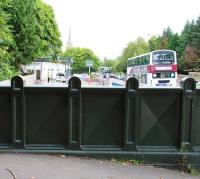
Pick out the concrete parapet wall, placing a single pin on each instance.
(28, 81)
(195, 75)
(5, 83)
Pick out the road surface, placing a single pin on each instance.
(40, 166)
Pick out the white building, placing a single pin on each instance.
(44, 69)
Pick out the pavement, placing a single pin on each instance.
(40, 166)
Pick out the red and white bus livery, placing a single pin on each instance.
(157, 68)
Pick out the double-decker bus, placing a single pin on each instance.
(156, 68)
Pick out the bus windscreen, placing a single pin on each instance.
(163, 57)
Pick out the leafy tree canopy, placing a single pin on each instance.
(133, 49)
(189, 47)
(6, 42)
(153, 43)
(50, 43)
(34, 30)
(27, 31)
(80, 55)
(109, 63)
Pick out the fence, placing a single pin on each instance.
(157, 125)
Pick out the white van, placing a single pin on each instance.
(60, 77)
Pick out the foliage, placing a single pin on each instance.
(194, 172)
(34, 31)
(120, 64)
(153, 43)
(109, 63)
(80, 55)
(7, 71)
(190, 45)
(168, 40)
(133, 49)
(165, 38)
(27, 31)
(6, 42)
(128, 162)
(173, 43)
(47, 30)
(24, 31)
(184, 166)
(196, 37)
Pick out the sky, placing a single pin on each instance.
(107, 26)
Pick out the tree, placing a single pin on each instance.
(34, 30)
(24, 31)
(165, 38)
(109, 63)
(5, 34)
(27, 30)
(6, 42)
(186, 36)
(190, 44)
(173, 42)
(168, 40)
(153, 43)
(80, 55)
(133, 49)
(50, 43)
(189, 56)
(196, 37)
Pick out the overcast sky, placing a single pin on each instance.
(106, 26)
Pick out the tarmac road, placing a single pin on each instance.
(40, 166)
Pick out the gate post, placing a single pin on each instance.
(189, 90)
(18, 112)
(75, 113)
(131, 112)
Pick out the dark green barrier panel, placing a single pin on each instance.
(189, 93)
(131, 114)
(5, 117)
(103, 118)
(18, 112)
(196, 122)
(46, 117)
(159, 118)
(156, 125)
(74, 113)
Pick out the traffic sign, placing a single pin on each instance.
(89, 63)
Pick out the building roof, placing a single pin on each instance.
(43, 60)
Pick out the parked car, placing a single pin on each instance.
(60, 77)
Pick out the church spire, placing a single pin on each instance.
(69, 40)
